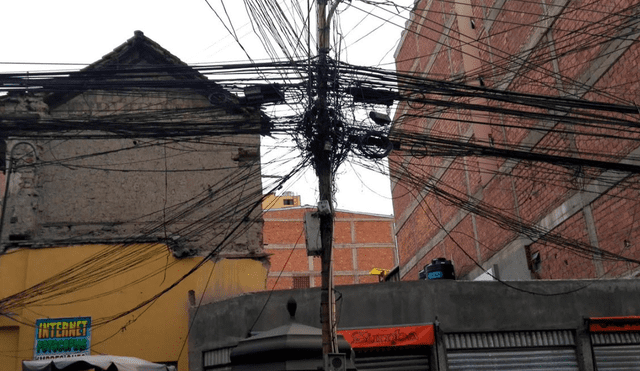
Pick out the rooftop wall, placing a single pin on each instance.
(458, 306)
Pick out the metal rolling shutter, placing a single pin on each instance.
(217, 359)
(616, 350)
(522, 350)
(415, 360)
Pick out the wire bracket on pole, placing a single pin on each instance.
(324, 208)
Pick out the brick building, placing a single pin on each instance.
(518, 218)
(362, 242)
(109, 204)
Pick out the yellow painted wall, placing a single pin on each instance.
(272, 201)
(9, 348)
(156, 333)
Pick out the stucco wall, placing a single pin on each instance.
(155, 332)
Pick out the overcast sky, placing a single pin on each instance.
(81, 32)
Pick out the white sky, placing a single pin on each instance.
(82, 31)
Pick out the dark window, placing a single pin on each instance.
(534, 261)
(301, 282)
(3, 154)
(288, 201)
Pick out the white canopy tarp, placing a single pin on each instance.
(110, 363)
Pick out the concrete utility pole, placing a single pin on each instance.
(324, 170)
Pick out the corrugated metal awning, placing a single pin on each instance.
(613, 338)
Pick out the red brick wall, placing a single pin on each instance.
(557, 62)
(361, 242)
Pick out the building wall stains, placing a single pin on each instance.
(114, 212)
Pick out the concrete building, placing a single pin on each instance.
(432, 325)
(110, 203)
(362, 243)
(518, 218)
(287, 199)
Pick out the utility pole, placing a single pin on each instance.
(324, 171)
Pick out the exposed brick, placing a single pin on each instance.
(518, 54)
(370, 236)
(343, 259)
(374, 232)
(374, 257)
(343, 280)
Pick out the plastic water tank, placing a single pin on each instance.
(440, 269)
(422, 275)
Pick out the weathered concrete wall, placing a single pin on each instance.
(458, 306)
(146, 182)
(190, 190)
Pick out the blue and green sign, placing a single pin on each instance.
(62, 337)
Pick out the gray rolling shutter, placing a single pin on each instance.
(529, 359)
(416, 359)
(616, 350)
(521, 350)
(217, 359)
(389, 363)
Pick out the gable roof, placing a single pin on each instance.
(142, 60)
(142, 51)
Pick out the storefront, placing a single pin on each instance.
(450, 325)
(395, 348)
(517, 350)
(616, 342)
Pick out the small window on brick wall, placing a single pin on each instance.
(288, 201)
(301, 282)
(534, 261)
